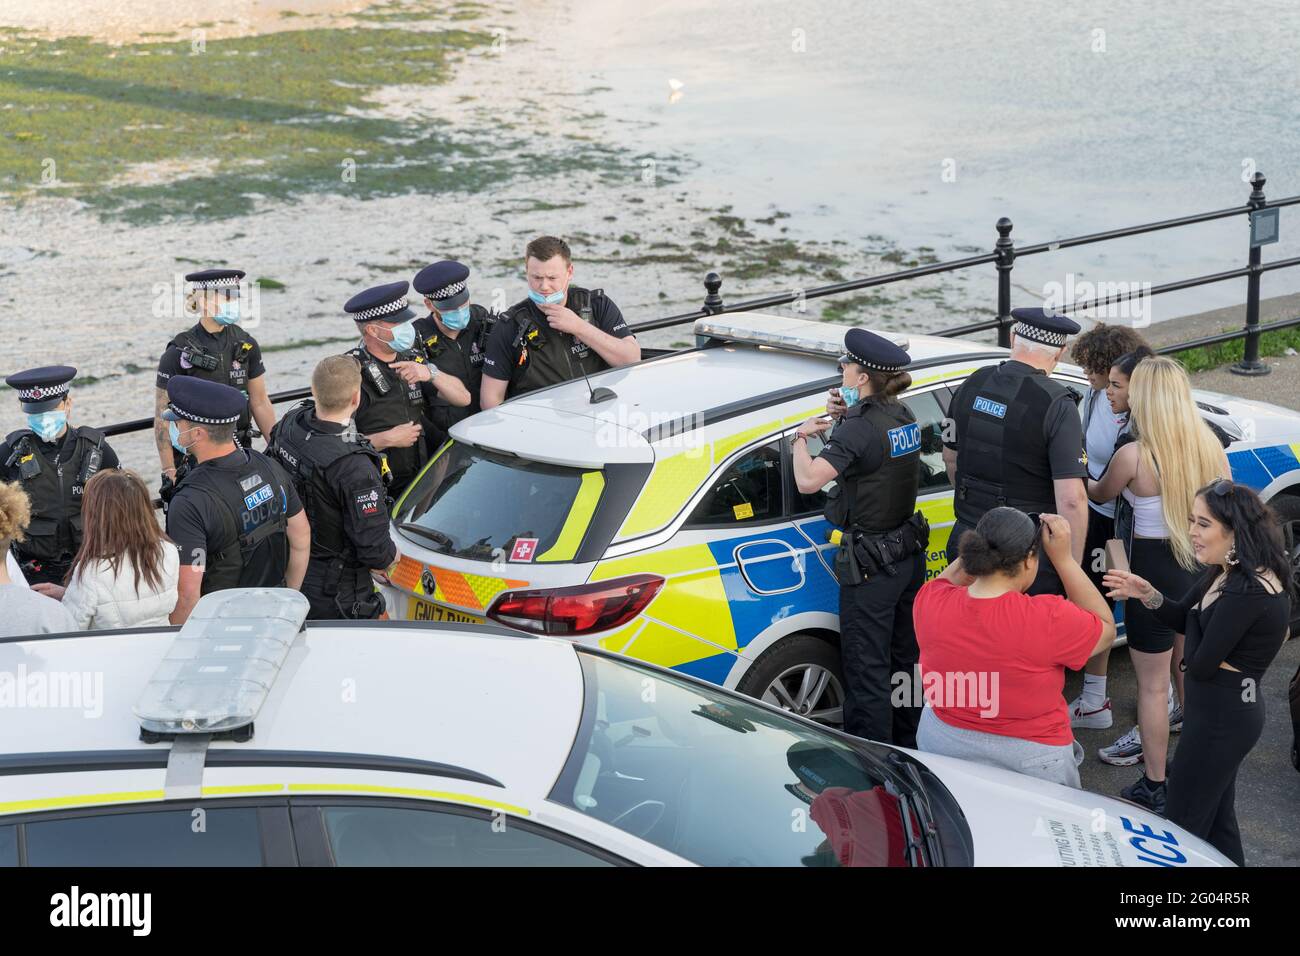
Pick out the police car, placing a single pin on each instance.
(663, 521)
(246, 738)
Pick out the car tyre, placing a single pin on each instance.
(801, 674)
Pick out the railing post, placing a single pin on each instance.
(1250, 363)
(712, 301)
(1005, 250)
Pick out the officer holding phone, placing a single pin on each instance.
(874, 459)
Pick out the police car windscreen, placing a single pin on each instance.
(725, 783)
(487, 507)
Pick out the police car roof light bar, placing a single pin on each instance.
(778, 331)
(222, 665)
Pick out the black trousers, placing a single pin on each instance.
(877, 641)
(352, 598)
(1222, 723)
(1047, 581)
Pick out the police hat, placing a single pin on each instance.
(445, 283)
(1043, 326)
(40, 389)
(226, 280)
(819, 767)
(203, 402)
(382, 303)
(872, 351)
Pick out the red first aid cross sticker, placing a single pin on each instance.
(525, 549)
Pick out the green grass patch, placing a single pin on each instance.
(148, 131)
(1213, 356)
(274, 284)
(851, 308)
(309, 343)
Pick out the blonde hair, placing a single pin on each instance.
(1174, 443)
(334, 382)
(15, 512)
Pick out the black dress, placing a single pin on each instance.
(1223, 710)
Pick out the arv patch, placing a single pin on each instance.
(368, 502)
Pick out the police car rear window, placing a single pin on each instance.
(483, 506)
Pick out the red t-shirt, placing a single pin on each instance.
(997, 665)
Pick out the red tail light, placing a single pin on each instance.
(585, 609)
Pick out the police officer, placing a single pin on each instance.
(218, 350)
(874, 456)
(337, 475)
(560, 332)
(399, 386)
(1015, 439)
(235, 516)
(53, 462)
(454, 335)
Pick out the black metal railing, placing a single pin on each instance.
(1003, 258)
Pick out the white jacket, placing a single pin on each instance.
(96, 598)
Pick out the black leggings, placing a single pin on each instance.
(1153, 559)
(1223, 720)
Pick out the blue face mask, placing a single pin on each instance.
(47, 425)
(403, 337)
(175, 431)
(455, 319)
(850, 395)
(555, 298)
(227, 312)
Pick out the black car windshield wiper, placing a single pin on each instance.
(920, 801)
(916, 855)
(437, 537)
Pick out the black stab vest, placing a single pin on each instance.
(1002, 458)
(254, 523)
(881, 500)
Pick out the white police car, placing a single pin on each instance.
(663, 522)
(246, 739)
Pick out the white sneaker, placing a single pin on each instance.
(1124, 752)
(1098, 719)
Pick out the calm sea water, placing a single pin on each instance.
(1067, 118)
(876, 125)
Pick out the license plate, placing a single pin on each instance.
(428, 611)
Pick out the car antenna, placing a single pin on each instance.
(597, 395)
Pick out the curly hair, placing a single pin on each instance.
(15, 512)
(1096, 350)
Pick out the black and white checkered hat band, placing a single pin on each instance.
(226, 283)
(872, 365)
(380, 311)
(40, 393)
(446, 292)
(200, 419)
(1032, 332)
